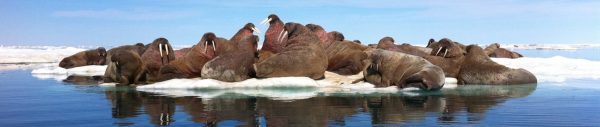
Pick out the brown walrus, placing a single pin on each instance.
(388, 68)
(303, 56)
(191, 64)
(387, 43)
(478, 68)
(233, 66)
(474, 66)
(157, 54)
(88, 57)
(244, 32)
(344, 57)
(494, 50)
(126, 68)
(272, 43)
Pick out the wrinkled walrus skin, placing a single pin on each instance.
(303, 56)
(389, 68)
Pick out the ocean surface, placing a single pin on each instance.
(34, 92)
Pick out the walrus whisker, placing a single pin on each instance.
(445, 53)
(256, 30)
(438, 52)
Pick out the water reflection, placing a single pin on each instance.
(448, 106)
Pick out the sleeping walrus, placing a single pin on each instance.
(303, 56)
(88, 57)
(480, 69)
(388, 68)
(494, 50)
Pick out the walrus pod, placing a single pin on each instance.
(303, 56)
(389, 68)
(157, 54)
(478, 68)
(126, 68)
(88, 57)
(233, 66)
(191, 64)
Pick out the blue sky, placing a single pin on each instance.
(109, 23)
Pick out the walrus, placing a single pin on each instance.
(303, 56)
(244, 32)
(478, 68)
(127, 68)
(233, 66)
(272, 43)
(470, 65)
(389, 68)
(89, 57)
(157, 54)
(191, 64)
(387, 43)
(494, 50)
(110, 73)
(446, 54)
(345, 57)
(446, 48)
(326, 37)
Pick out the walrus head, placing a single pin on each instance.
(208, 44)
(271, 19)
(291, 30)
(446, 48)
(385, 43)
(337, 36)
(251, 28)
(165, 50)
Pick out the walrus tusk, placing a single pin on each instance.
(266, 21)
(445, 53)
(438, 52)
(160, 50)
(284, 35)
(214, 46)
(205, 46)
(256, 30)
(280, 34)
(167, 49)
